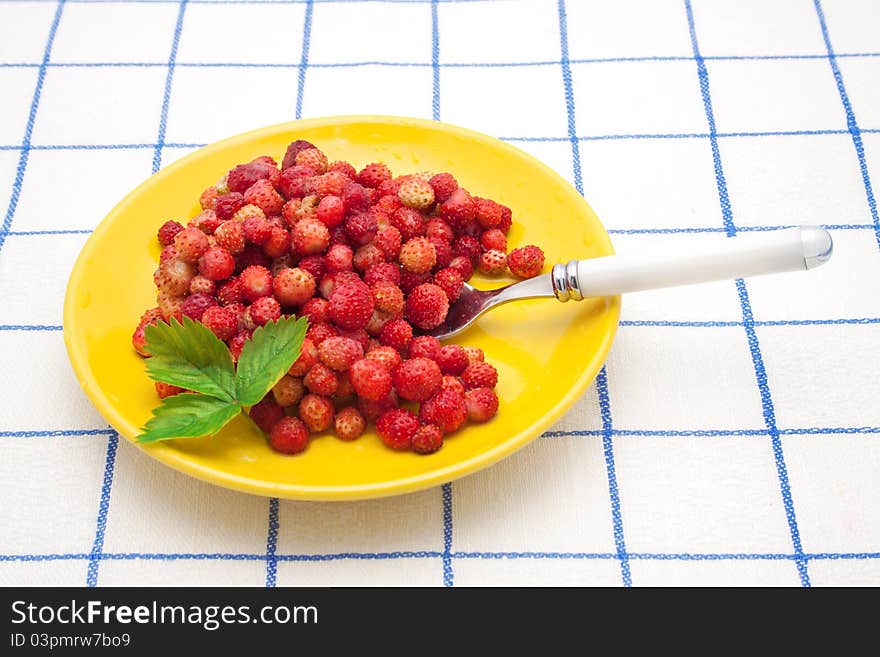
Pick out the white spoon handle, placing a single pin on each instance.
(749, 254)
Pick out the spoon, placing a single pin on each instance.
(790, 249)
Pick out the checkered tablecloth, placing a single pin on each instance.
(734, 436)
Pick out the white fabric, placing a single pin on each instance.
(724, 453)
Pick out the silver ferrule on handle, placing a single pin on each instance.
(746, 255)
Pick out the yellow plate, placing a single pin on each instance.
(547, 353)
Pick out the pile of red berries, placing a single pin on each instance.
(372, 261)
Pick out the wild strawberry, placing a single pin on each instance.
(450, 281)
(340, 353)
(174, 276)
(167, 390)
(208, 198)
(252, 256)
(288, 391)
(190, 243)
(371, 379)
(338, 258)
(230, 292)
(316, 412)
(482, 404)
(409, 281)
(265, 413)
(427, 440)
(442, 251)
(316, 310)
(321, 331)
(236, 343)
(388, 356)
(349, 424)
(344, 389)
(361, 228)
(330, 183)
(506, 219)
(314, 264)
(293, 287)
(397, 427)
(494, 239)
(278, 243)
(338, 236)
(388, 298)
(377, 320)
(416, 379)
(383, 271)
(452, 359)
(344, 168)
(415, 193)
(388, 240)
(424, 346)
(526, 261)
(256, 282)
(308, 356)
(265, 309)
(468, 247)
(409, 222)
(293, 150)
(329, 282)
(396, 333)
(168, 231)
(463, 266)
(293, 182)
(458, 209)
(170, 305)
(195, 305)
(493, 262)
(139, 339)
(389, 188)
(230, 236)
(321, 380)
(443, 185)
(440, 229)
(449, 382)
(206, 221)
(351, 305)
(331, 211)
(313, 158)
(446, 409)
(366, 257)
(289, 436)
(244, 176)
(355, 197)
(418, 255)
(222, 321)
(358, 335)
(387, 204)
(216, 264)
(167, 253)
(374, 175)
(227, 205)
(479, 375)
(310, 236)
(426, 306)
(488, 212)
(474, 354)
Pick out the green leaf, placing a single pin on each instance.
(190, 356)
(187, 415)
(267, 356)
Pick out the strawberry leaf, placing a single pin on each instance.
(187, 415)
(190, 356)
(267, 356)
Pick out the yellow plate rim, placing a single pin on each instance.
(179, 461)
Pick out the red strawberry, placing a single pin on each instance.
(452, 359)
(427, 440)
(397, 427)
(195, 305)
(351, 305)
(488, 212)
(227, 205)
(426, 306)
(310, 237)
(289, 436)
(266, 413)
(494, 239)
(216, 264)
(450, 281)
(167, 390)
(374, 175)
(383, 271)
(388, 356)
(313, 158)
(416, 379)
(168, 231)
(526, 261)
(321, 380)
(482, 404)
(222, 321)
(288, 391)
(424, 346)
(293, 150)
(308, 356)
(340, 353)
(479, 374)
(409, 222)
(396, 333)
(371, 379)
(256, 282)
(443, 184)
(458, 209)
(493, 262)
(446, 409)
(294, 286)
(316, 412)
(349, 424)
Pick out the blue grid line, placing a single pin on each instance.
(435, 60)
(103, 507)
(56, 433)
(169, 78)
(614, 494)
(569, 98)
(417, 64)
(272, 544)
(304, 57)
(29, 127)
(748, 319)
(31, 327)
(448, 573)
(770, 420)
(248, 2)
(851, 122)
